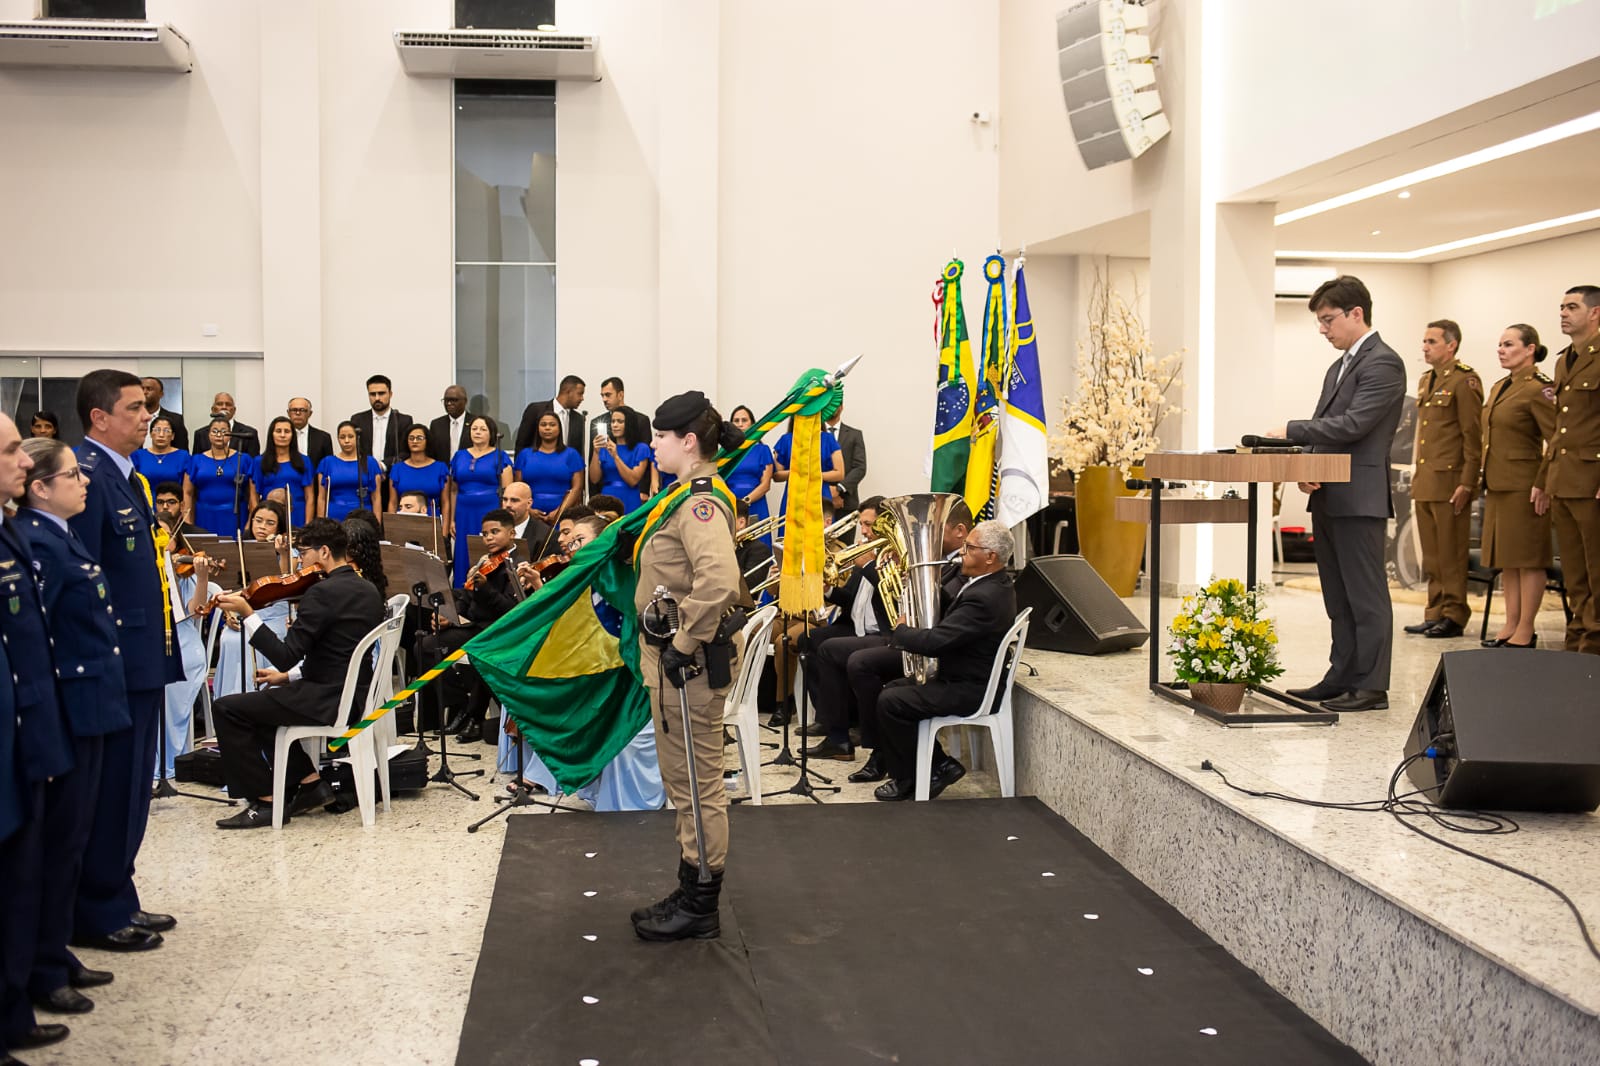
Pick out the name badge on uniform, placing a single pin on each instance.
(15, 603)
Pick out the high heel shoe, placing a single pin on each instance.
(1534, 643)
(1497, 642)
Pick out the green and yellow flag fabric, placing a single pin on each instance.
(982, 463)
(952, 411)
(564, 664)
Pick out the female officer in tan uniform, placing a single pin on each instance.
(1519, 416)
(690, 553)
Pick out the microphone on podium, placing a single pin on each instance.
(1250, 440)
(1138, 484)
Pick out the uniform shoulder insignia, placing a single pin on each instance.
(1541, 376)
(701, 486)
(703, 510)
(1464, 368)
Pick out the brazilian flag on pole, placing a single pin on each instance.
(982, 465)
(952, 412)
(569, 680)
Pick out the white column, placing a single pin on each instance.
(689, 148)
(291, 205)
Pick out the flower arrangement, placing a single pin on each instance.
(1221, 636)
(1122, 390)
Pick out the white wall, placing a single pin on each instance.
(1308, 82)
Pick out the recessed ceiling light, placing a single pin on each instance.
(1560, 132)
(1376, 232)
(1450, 246)
(1405, 194)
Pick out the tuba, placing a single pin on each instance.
(910, 563)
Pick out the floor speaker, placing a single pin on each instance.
(1509, 730)
(1074, 610)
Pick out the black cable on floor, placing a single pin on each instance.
(1402, 806)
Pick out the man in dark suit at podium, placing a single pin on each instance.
(1362, 396)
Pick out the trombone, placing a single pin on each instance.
(832, 546)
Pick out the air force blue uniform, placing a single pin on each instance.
(116, 528)
(43, 750)
(88, 665)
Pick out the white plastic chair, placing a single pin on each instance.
(998, 722)
(739, 710)
(364, 749)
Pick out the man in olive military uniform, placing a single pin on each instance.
(689, 552)
(1449, 454)
(1570, 473)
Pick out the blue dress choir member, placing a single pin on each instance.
(478, 472)
(220, 487)
(118, 528)
(88, 668)
(553, 472)
(752, 478)
(281, 466)
(418, 472)
(341, 480)
(43, 749)
(164, 458)
(617, 458)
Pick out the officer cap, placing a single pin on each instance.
(675, 414)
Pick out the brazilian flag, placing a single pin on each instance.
(952, 411)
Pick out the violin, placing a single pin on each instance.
(267, 590)
(183, 565)
(490, 562)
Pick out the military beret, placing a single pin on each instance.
(675, 414)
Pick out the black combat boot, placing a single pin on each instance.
(688, 873)
(693, 916)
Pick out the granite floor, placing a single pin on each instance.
(328, 942)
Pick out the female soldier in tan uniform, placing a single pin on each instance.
(1518, 418)
(690, 553)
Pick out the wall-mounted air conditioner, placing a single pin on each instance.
(527, 55)
(88, 44)
(1298, 282)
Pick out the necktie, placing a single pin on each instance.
(1344, 364)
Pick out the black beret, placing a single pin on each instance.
(675, 414)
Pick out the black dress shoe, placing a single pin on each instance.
(1534, 643)
(891, 791)
(1445, 629)
(156, 923)
(831, 749)
(1423, 626)
(1318, 692)
(780, 718)
(65, 1000)
(128, 938)
(39, 1036)
(457, 723)
(814, 729)
(1498, 642)
(87, 978)
(256, 816)
(1362, 699)
(9, 1060)
(870, 771)
(471, 732)
(309, 798)
(945, 774)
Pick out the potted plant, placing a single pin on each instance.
(1107, 429)
(1222, 643)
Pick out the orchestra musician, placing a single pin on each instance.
(492, 588)
(333, 617)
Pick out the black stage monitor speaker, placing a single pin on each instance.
(1526, 731)
(1074, 610)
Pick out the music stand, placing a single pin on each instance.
(476, 550)
(425, 531)
(406, 567)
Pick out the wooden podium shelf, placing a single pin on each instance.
(1247, 466)
(1184, 511)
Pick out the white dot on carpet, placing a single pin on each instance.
(1147, 971)
(1011, 838)
(591, 892)
(1047, 873)
(590, 937)
(590, 1000)
(1209, 1031)
(588, 1062)
(1091, 917)
(590, 854)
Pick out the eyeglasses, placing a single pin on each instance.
(1327, 320)
(299, 410)
(76, 473)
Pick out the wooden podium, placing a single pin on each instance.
(1251, 468)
